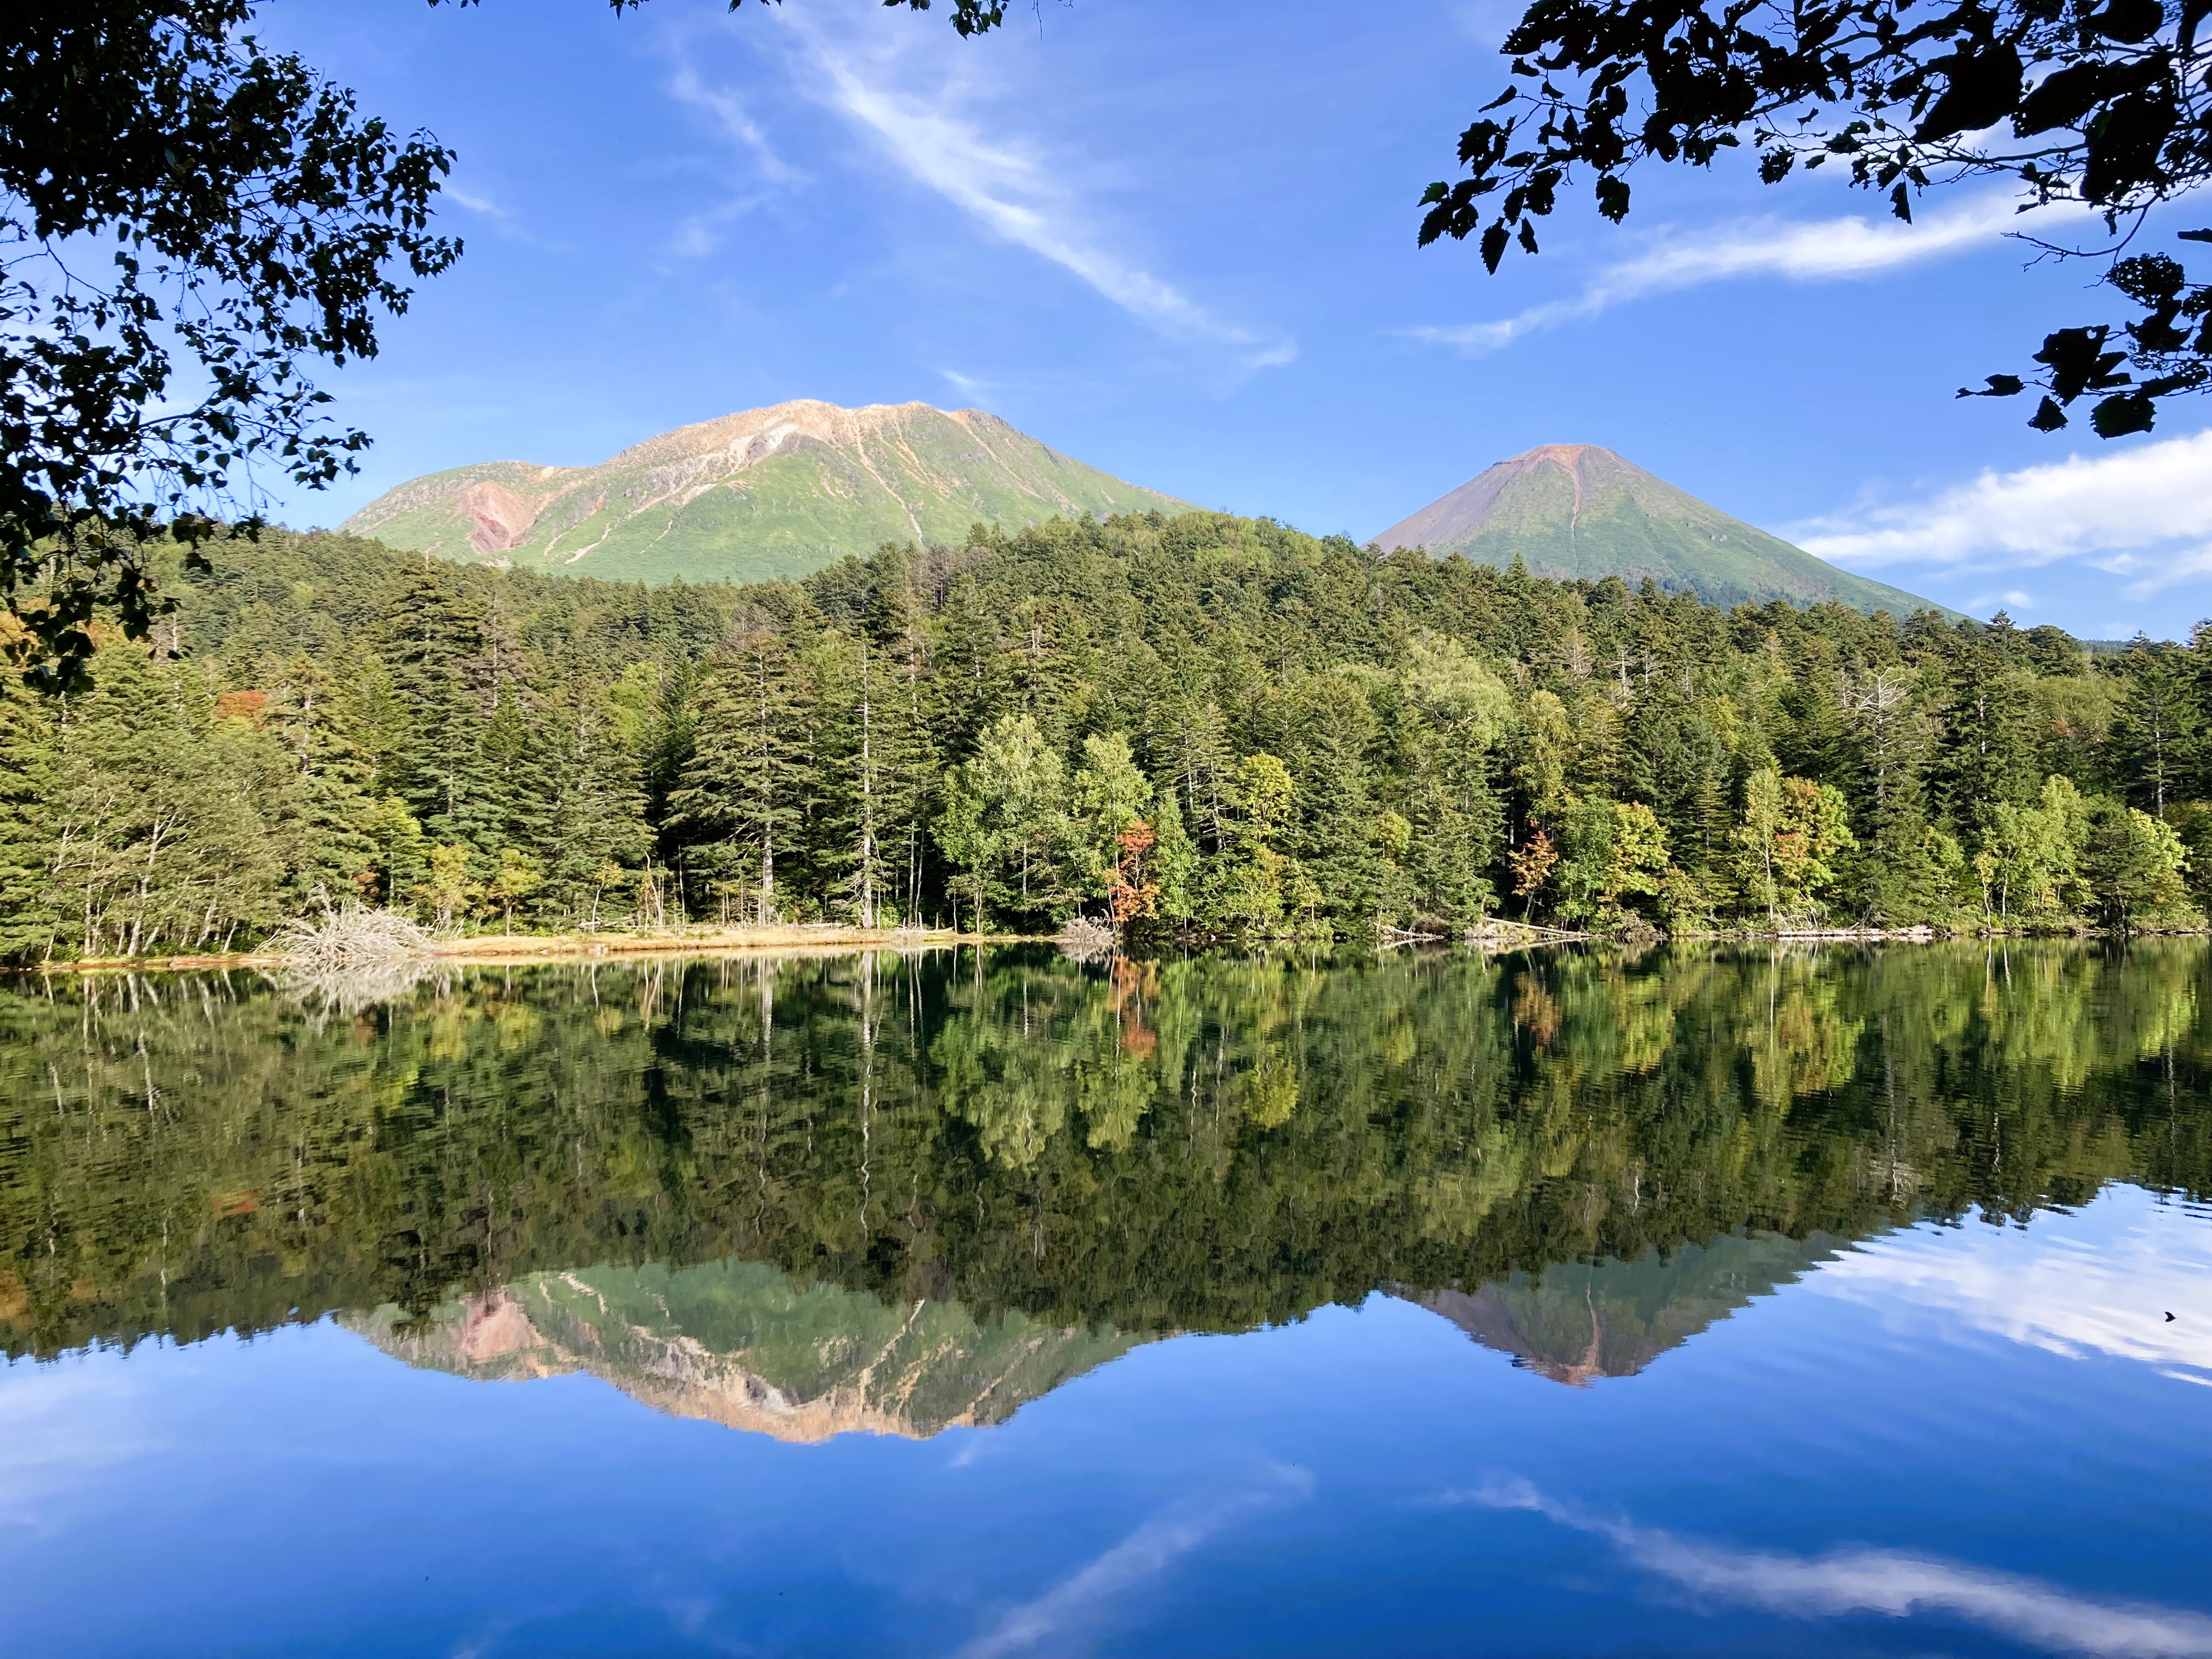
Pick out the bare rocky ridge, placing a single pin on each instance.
(1576, 510)
(769, 492)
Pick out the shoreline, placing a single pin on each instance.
(523, 950)
(518, 950)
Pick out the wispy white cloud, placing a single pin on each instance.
(1008, 186)
(2101, 1284)
(732, 119)
(475, 202)
(2123, 512)
(505, 220)
(966, 385)
(1143, 1554)
(2190, 565)
(58, 1421)
(701, 232)
(1889, 1583)
(1827, 250)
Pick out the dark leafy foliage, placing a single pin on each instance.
(2107, 105)
(187, 219)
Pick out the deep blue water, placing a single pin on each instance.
(1966, 1435)
(1947, 1442)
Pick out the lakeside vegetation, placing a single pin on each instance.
(1202, 726)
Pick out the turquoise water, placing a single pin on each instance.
(1699, 1304)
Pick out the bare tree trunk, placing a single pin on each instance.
(867, 873)
(767, 905)
(145, 881)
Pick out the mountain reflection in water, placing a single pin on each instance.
(743, 1344)
(740, 1344)
(897, 1193)
(1577, 1321)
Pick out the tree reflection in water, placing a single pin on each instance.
(900, 1192)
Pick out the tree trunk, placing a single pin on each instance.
(866, 872)
(765, 792)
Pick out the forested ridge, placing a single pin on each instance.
(1212, 726)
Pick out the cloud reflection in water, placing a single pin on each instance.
(1893, 1583)
(1147, 1552)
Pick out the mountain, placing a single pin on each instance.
(1570, 510)
(746, 1346)
(772, 492)
(1580, 1321)
(740, 1344)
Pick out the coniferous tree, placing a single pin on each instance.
(742, 796)
(2155, 732)
(161, 840)
(27, 919)
(1328, 741)
(321, 813)
(440, 656)
(594, 812)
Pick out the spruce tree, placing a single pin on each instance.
(595, 809)
(741, 797)
(321, 816)
(436, 644)
(28, 919)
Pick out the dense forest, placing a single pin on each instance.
(1200, 726)
(1203, 1142)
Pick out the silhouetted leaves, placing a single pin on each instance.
(192, 218)
(2108, 106)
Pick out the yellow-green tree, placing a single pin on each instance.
(1791, 831)
(515, 880)
(450, 888)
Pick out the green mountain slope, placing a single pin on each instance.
(772, 492)
(1574, 510)
(740, 1344)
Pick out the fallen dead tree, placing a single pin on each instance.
(352, 936)
(1495, 930)
(1085, 939)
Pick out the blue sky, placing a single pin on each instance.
(1177, 242)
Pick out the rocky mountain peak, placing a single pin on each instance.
(779, 491)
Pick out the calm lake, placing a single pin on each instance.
(1835, 1302)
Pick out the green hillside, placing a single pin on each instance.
(769, 493)
(1574, 510)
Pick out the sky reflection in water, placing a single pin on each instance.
(928, 1399)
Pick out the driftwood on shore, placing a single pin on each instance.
(1493, 930)
(352, 936)
(670, 941)
(1086, 939)
(306, 946)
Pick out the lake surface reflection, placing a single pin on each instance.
(1838, 1302)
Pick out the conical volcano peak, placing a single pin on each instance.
(1573, 456)
(1581, 511)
